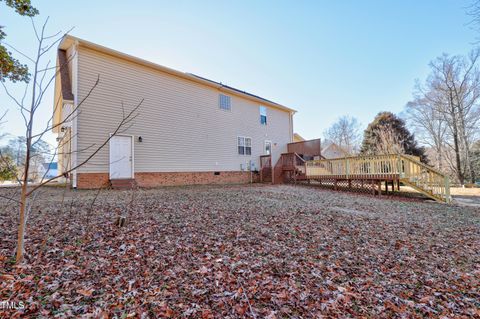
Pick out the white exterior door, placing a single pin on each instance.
(121, 157)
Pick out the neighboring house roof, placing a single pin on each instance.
(297, 138)
(332, 150)
(69, 40)
(49, 166)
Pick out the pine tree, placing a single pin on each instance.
(388, 134)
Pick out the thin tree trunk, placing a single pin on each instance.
(23, 207)
(23, 202)
(473, 173)
(440, 159)
(22, 225)
(458, 163)
(24, 196)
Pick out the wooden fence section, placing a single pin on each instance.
(310, 148)
(406, 169)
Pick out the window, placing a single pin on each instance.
(268, 148)
(248, 146)
(225, 102)
(263, 115)
(244, 145)
(241, 145)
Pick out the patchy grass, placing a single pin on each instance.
(241, 251)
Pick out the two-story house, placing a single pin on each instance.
(187, 130)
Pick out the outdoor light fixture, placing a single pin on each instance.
(140, 139)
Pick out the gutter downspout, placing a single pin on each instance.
(75, 116)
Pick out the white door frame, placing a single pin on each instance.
(110, 154)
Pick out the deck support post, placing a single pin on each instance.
(349, 184)
(335, 185)
(372, 183)
(386, 187)
(379, 188)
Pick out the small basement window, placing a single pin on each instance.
(244, 145)
(263, 115)
(225, 102)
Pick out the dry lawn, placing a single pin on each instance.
(241, 252)
(465, 191)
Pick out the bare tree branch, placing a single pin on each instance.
(117, 130)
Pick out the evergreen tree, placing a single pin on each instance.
(8, 170)
(11, 68)
(388, 134)
(476, 158)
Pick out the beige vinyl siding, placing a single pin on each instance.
(180, 121)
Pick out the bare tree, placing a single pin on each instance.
(345, 132)
(453, 90)
(430, 127)
(473, 10)
(43, 75)
(389, 142)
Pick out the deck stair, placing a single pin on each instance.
(424, 179)
(383, 168)
(290, 168)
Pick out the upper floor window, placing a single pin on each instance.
(244, 145)
(225, 102)
(263, 115)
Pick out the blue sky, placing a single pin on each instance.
(322, 58)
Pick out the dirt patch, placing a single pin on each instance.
(473, 201)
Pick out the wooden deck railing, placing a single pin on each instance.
(405, 168)
(375, 166)
(423, 177)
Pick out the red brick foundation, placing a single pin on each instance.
(92, 180)
(97, 180)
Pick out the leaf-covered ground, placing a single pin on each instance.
(241, 251)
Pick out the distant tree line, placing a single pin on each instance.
(13, 156)
(445, 112)
(444, 115)
(386, 134)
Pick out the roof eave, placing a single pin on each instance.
(69, 40)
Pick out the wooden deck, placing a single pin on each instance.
(365, 172)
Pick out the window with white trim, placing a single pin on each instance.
(268, 148)
(244, 145)
(225, 102)
(263, 115)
